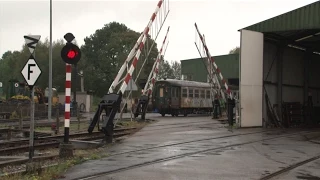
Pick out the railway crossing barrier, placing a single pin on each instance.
(111, 102)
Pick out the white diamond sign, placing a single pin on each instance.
(31, 71)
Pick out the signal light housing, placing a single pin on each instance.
(70, 53)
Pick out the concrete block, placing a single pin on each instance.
(65, 150)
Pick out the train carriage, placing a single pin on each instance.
(171, 96)
(176, 97)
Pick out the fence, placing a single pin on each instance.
(15, 111)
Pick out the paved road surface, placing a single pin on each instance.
(201, 148)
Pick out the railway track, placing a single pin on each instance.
(289, 168)
(46, 157)
(13, 147)
(26, 124)
(182, 155)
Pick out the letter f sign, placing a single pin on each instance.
(29, 70)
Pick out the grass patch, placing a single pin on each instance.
(128, 123)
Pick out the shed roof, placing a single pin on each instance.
(299, 27)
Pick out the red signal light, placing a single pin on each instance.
(71, 54)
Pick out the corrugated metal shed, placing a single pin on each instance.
(306, 17)
(228, 64)
(300, 27)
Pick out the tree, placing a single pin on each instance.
(176, 68)
(106, 50)
(235, 50)
(102, 55)
(165, 70)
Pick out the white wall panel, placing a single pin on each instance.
(251, 80)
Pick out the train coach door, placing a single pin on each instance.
(161, 96)
(175, 94)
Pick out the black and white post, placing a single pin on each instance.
(31, 73)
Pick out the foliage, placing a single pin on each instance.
(106, 51)
(12, 63)
(165, 70)
(176, 68)
(235, 50)
(169, 71)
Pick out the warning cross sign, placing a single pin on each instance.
(31, 71)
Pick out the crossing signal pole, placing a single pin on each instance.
(70, 54)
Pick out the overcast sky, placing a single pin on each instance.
(219, 20)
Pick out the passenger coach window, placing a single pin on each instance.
(184, 93)
(196, 93)
(202, 94)
(161, 92)
(191, 93)
(208, 94)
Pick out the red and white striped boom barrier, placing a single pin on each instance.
(213, 69)
(111, 102)
(147, 90)
(135, 54)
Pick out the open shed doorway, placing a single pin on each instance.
(280, 79)
(291, 78)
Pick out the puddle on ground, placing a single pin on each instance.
(141, 157)
(111, 159)
(301, 152)
(194, 132)
(198, 155)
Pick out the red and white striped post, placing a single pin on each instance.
(67, 103)
(70, 54)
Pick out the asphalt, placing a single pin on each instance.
(201, 148)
